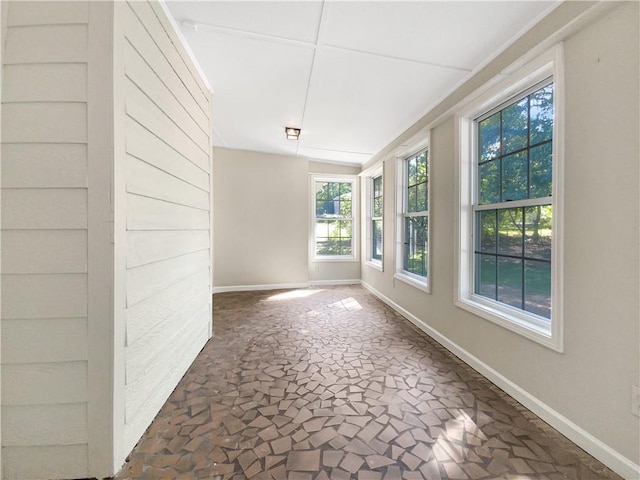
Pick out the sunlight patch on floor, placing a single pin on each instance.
(346, 304)
(302, 293)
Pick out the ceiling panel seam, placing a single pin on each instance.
(324, 15)
(402, 59)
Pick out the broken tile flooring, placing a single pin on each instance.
(330, 383)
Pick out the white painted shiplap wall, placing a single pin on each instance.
(105, 230)
(162, 211)
(44, 241)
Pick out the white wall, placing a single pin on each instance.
(44, 241)
(162, 212)
(261, 219)
(586, 390)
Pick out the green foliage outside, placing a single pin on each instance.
(515, 163)
(416, 228)
(333, 218)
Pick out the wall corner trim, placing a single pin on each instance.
(601, 451)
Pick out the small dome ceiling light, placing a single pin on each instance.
(292, 133)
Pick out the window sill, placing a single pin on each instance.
(416, 282)
(334, 259)
(528, 326)
(375, 264)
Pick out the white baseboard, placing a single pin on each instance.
(315, 283)
(604, 453)
(250, 288)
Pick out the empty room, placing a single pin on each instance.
(320, 240)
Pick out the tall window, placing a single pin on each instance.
(415, 216)
(509, 255)
(376, 218)
(513, 209)
(333, 204)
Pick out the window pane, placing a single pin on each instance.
(412, 199)
(421, 168)
(411, 171)
(333, 237)
(377, 186)
(421, 197)
(541, 170)
(345, 246)
(537, 278)
(322, 228)
(321, 191)
(486, 221)
(415, 245)
(377, 207)
(537, 224)
(376, 250)
(510, 231)
(510, 281)
(514, 177)
(345, 207)
(489, 138)
(542, 115)
(489, 182)
(514, 126)
(486, 276)
(333, 199)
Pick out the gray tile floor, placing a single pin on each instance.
(330, 383)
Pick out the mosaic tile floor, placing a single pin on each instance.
(332, 384)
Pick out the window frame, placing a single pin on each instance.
(352, 179)
(548, 332)
(370, 261)
(417, 281)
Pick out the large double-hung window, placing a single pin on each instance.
(513, 209)
(376, 218)
(412, 261)
(333, 228)
(510, 171)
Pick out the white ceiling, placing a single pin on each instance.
(352, 75)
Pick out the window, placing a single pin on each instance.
(513, 243)
(333, 207)
(376, 218)
(509, 250)
(413, 232)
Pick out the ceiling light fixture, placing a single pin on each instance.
(292, 133)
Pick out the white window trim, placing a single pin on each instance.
(368, 218)
(353, 179)
(416, 281)
(531, 326)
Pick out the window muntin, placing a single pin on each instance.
(513, 208)
(376, 218)
(334, 221)
(415, 215)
